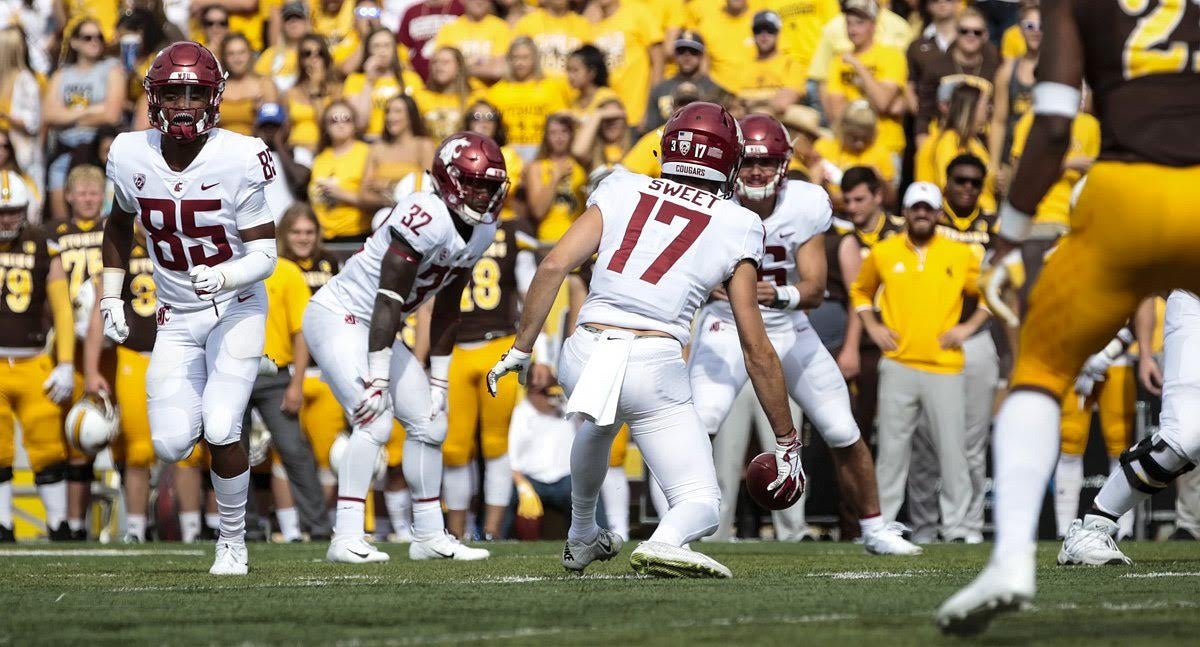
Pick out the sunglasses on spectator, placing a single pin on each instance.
(340, 118)
(369, 13)
(968, 181)
(90, 38)
(483, 116)
(310, 53)
(1030, 25)
(978, 33)
(216, 23)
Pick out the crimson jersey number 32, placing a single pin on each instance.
(666, 213)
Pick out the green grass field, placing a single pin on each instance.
(781, 593)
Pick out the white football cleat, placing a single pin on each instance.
(998, 589)
(664, 560)
(1091, 543)
(889, 540)
(354, 550)
(445, 546)
(232, 559)
(578, 554)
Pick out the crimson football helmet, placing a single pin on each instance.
(470, 176)
(184, 70)
(765, 139)
(702, 140)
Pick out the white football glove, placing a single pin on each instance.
(206, 281)
(789, 475)
(513, 361)
(1094, 371)
(61, 383)
(439, 384)
(112, 311)
(374, 399)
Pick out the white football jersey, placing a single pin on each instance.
(424, 222)
(664, 247)
(801, 212)
(191, 217)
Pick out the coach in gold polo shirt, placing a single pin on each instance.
(918, 281)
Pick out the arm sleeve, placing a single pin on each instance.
(862, 291)
(251, 199)
(120, 195)
(752, 246)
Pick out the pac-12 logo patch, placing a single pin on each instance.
(139, 181)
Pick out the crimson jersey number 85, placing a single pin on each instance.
(180, 219)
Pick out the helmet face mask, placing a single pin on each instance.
(470, 176)
(183, 90)
(766, 154)
(11, 222)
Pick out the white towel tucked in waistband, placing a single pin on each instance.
(598, 390)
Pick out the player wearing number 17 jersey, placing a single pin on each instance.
(199, 193)
(426, 247)
(663, 245)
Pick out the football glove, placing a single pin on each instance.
(374, 399)
(513, 361)
(61, 383)
(529, 504)
(439, 384)
(789, 475)
(992, 281)
(206, 281)
(1093, 372)
(112, 311)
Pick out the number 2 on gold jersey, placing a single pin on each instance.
(1148, 50)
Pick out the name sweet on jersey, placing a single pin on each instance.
(683, 192)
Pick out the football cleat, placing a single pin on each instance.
(664, 560)
(1000, 588)
(232, 559)
(1091, 544)
(354, 550)
(445, 546)
(889, 540)
(61, 533)
(7, 536)
(578, 554)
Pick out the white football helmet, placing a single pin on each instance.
(260, 440)
(337, 451)
(14, 196)
(92, 423)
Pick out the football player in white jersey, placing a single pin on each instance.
(791, 279)
(663, 245)
(1151, 465)
(199, 193)
(426, 247)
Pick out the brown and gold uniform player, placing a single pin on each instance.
(32, 281)
(1134, 232)
(132, 450)
(476, 422)
(78, 244)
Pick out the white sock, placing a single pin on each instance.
(135, 524)
(399, 509)
(189, 526)
(1125, 523)
(354, 483)
(589, 467)
(423, 471)
(54, 499)
(231, 494)
(1068, 481)
(497, 481)
(868, 525)
(75, 524)
(615, 494)
(289, 523)
(6, 504)
(212, 521)
(1025, 444)
(383, 527)
(456, 487)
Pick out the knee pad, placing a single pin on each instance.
(842, 435)
(1143, 465)
(6, 474)
(52, 474)
(222, 428)
(173, 449)
(81, 473)
(430, 431)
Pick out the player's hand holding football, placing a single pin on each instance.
(206, 281)
(514, 361)
(112, 312)
(374, 400)
(789, 479)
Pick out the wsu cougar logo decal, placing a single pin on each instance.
(452, 148)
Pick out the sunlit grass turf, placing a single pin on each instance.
(70, 594)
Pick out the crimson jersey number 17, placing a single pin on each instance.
(667, 213)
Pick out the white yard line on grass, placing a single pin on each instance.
(1138, 576)
(871, 575)
(98, 552)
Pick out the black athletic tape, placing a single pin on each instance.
(53, 474)
(6, 474)
(81, 473)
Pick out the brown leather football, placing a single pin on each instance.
(761, 473)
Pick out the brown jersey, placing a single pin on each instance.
(1139, 62)
(318, 271)
(887, 227)
(490, 301)
(78, 245)
(24, 266)
(141, 301)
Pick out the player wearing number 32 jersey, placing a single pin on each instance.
(663, 245)
(198, 192)
(426, 247)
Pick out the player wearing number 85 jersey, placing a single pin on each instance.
(663, 245)
(426, 247)
(199, 193)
